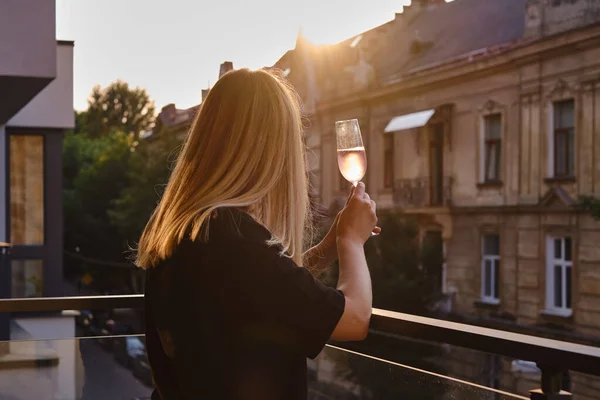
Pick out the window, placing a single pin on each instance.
(493, 147)
(559, 263)
(26, 189)
(436, 164)
(388, 160)
(490, 268)
(564, 134)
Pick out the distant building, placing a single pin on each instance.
(174, 121)
(480, 118)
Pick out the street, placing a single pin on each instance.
(107, 379)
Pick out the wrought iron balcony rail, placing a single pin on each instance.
(552, 356)
(423, 192)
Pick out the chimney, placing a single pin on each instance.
(169, 110)
(225, 68)
(417, 6)
(204, 94)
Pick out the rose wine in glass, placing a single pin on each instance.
(352, 159)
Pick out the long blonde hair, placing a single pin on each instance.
(244, 150)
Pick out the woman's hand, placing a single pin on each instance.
(358, 219)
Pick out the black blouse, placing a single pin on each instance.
(242, 318)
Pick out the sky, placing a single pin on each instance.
(173, 48)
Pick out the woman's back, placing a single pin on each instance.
(241, 317)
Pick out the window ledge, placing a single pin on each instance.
(487, 303)
(490, 184)
(560, 179)
(557, 313)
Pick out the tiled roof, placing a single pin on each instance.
(414, 39)
(449, 30)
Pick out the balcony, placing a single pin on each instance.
(394, 362)
(423, 192)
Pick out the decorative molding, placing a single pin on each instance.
(557, 195)
(588, 86)
(562, 90)
(490, 106)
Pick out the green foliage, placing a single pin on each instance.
(148, 172)
(591, 205)
(93, 177)
(106, 184)
(116, 106)
(405, 273)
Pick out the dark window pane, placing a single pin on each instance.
(560, 163)
(498, 160)
(564, 114)
(496, 279)
(388, 141)
(491, 245)
(438, 134)
(568, 285)
(491, 161)
(388, 160)
(568, 248)
(493, 126)
(558, 286)
(557, 248)
(571, 153)
(488, 278)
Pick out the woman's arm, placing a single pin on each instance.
(318, 258)
(356, 222)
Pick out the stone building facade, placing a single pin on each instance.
(481, 118)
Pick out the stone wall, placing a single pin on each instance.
(523, 267)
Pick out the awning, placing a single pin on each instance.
(409, 121)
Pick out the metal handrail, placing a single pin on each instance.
(545, 352)
(71, 303)
(548, 353)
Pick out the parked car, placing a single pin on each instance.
(127, 348)
(141, 369)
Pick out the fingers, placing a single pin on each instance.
(359, 191)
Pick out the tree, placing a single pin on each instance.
(590, 204)
(405, 272)
(93, 177)
(405, 278)
(117, 106)
(148, 173)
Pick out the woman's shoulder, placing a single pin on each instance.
(230, 223)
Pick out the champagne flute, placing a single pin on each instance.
(351, 155)
(352, 159)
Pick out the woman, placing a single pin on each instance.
(232, 305)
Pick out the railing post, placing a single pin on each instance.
(551, 386)
(5, 286)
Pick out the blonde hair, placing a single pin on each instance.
(244, 150)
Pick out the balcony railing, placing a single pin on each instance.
(423, 192)
(552, 356)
